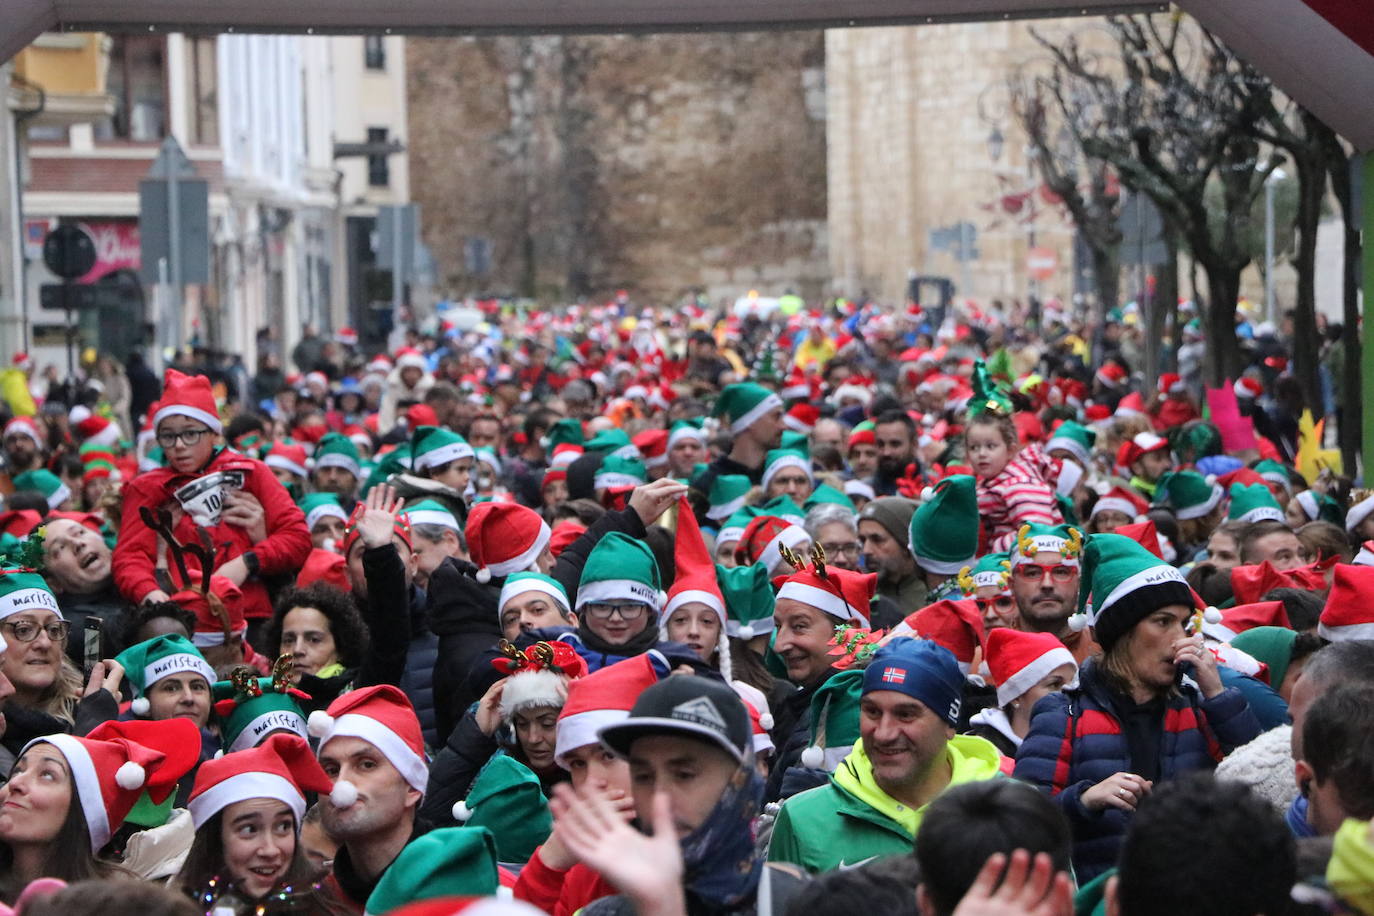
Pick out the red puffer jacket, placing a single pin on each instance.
(285, 548)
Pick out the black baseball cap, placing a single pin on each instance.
(687, 705)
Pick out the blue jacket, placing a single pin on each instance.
(1076, 741)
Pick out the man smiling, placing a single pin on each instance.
(907, 755)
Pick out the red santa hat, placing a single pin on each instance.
(1243, 476)
(653, 446)
(1111, 375)
(797, 387)
(25, 426)
(1248, 388)
(763, 540)
(22, 360)
(117, 762)
(696, 570)
(383, 717)
(188, 396)
(504, 538)
(1121, 499)
(1171, 383)
(1132, 450)
(564, 454)
(1143, 533)
(98, 429)
(288, 456)
(1132, 405)
(602, 698)
(956, 625)
(836, 592)
(346, 336)
(380, 364)
(1096, 413)
(563, 535)
(1349, 611)
(759, 724)
(19, 522)
(282, 768)
(802, 417)
(325, 566)
(410, 358)
(1018, 661)
(1250, 583)
(1236, 620)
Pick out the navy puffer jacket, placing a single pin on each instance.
(1076, 741)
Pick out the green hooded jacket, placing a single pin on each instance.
(851, 820)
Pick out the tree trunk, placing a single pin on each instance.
(1306, 344)
(1348, 385)
(1222, 362)
(1164, 305)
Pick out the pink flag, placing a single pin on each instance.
(1237, 432)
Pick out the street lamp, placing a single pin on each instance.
(1270, 183)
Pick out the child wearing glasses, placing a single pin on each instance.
(254, 527)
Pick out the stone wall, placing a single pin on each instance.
(658, 164)
(911, 110)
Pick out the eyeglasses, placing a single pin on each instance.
(27, 630)
(627, 612)
(189, 437)
(833, 550)
(1036, 572)
(1001, 604)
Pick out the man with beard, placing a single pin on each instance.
(76, 563)
(908, 753)
(895, 435)
(883, 533)
(1044, 580)
(370, 746)
(23, 445)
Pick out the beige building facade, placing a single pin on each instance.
(911, 113)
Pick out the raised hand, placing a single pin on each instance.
(1025, 890)
(377, 523)
(653, 499)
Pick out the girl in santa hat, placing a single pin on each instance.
(247, 808)
(255, 528)
(66, 796)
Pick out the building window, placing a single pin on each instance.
(138, 83)
(378, 166)
(374, 52)
(204, 90)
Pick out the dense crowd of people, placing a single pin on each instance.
(616, 610)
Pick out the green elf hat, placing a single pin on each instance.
(748, 600)
(617, 471)
(522, 583)
(612, 443)
(1065, 540)
(834, 720)
(567, 431)
(734, 526)
(943, 536)
(1074, 438)
(46, 482)
(988, 397)
(396, 461)
(506, 799)
(795, 441)
(317, 506)
(991, 571)
(1188, 494)
(728, 492)
(451, 862)
(1253, 503)
(825, 494)
(433, 446)
(1275, 472)
(743, 404)
(686, 429)
(780, 458)
(1320, 508)
(150, 661)
(784, 507)
(620, 568)
(252, 708)
(338, 451)
(1121, 584)
(431, 512)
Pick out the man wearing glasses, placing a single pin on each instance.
(1044, 580)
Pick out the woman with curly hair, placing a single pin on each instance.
(321, 629)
